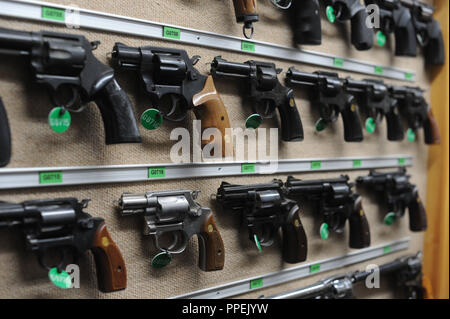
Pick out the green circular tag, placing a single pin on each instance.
(59, 122)
(151, 119)
(61, 280)
(390, 218)
(258, 245)
(370, 125)
(330, 14)
(320, 125)
(411, 135)
(381, 39)
(253, 121)
(324, 232)
(161, 260)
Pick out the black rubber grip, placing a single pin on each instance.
(417, 213)
(362, 36)
(295, 245)
(291, 123)
(435, 52)
(117, 113)
(306, 22)
(405, 35)
(352, 123)
(394, 127)
(5, 137)
(359, 227)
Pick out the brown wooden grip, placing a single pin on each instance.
(431, 129)
(214, 114)
(111, 270)
(244, 8)
(211, 249)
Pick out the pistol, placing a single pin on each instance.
(176, 214)
(5, 137)
(62, 225)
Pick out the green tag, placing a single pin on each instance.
(381, 39)
(156, 172)
(408, 76)
(248, 168)
(61, 280)
(253, 121)
(50, 177)
(53, 14)
(338, 62)
(314, 268)
(151, 119)
(59, 122)
(330, 14)
(171, 33)
(370, 125)
(258, 245)
(247, 46)
(324, 232)
(379, 70)
(316, 165)
(256, 283)
(387, 249)
(401, 161)
(390, 218)
(161, 260)
(357, 163)
(320, 125)
(411, 135)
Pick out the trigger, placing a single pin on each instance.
(195, 59)
(174, 103)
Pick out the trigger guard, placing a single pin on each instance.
(176, 242)
(330, 115)
(173, 109)
(267, 106)
(267, 230)
(72, 101)
(61, 264)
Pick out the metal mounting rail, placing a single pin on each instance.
(59, 176)
(295, 273)
(55, 13)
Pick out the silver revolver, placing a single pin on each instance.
(177, 214)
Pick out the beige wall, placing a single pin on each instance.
(34, 145)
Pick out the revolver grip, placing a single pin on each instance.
(214, 115)
(362, 36)
(352, 123)
(291, 123)
(359, 227)
(295, 245)
(117, 113)
(405, 36)
(306, 22)
(394, 126)
(435, 51)
(5, 137)
(417, 213)
(431, 129)
(211, 250)
(111, 270)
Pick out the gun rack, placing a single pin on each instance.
(88, 19)
(295, 273)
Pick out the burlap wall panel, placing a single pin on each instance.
(35, 145)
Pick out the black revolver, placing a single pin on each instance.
(169, 77)
(328, 93)
(266, 92)
(374, 97)
(176, 213)
(336, 203)
(353, 10)
(5, 137)
(66, 62)
(265, 210)
(62, 225)
(398, 193)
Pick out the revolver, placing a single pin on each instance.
(336, 203)
(265, 210)
(5, 137)
(267, 94)
(398, 193)
(62, 225)
(177, 214)
(169, 77)
(328, 93)
(65, 63)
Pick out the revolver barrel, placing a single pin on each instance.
(131, 204)
(127, 57)
(224, 67)
(294, 76)
(15, 40)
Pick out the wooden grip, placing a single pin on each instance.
(211, 249)
(432, 135)
(111, 271)
(214, 115)
(243, 8)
